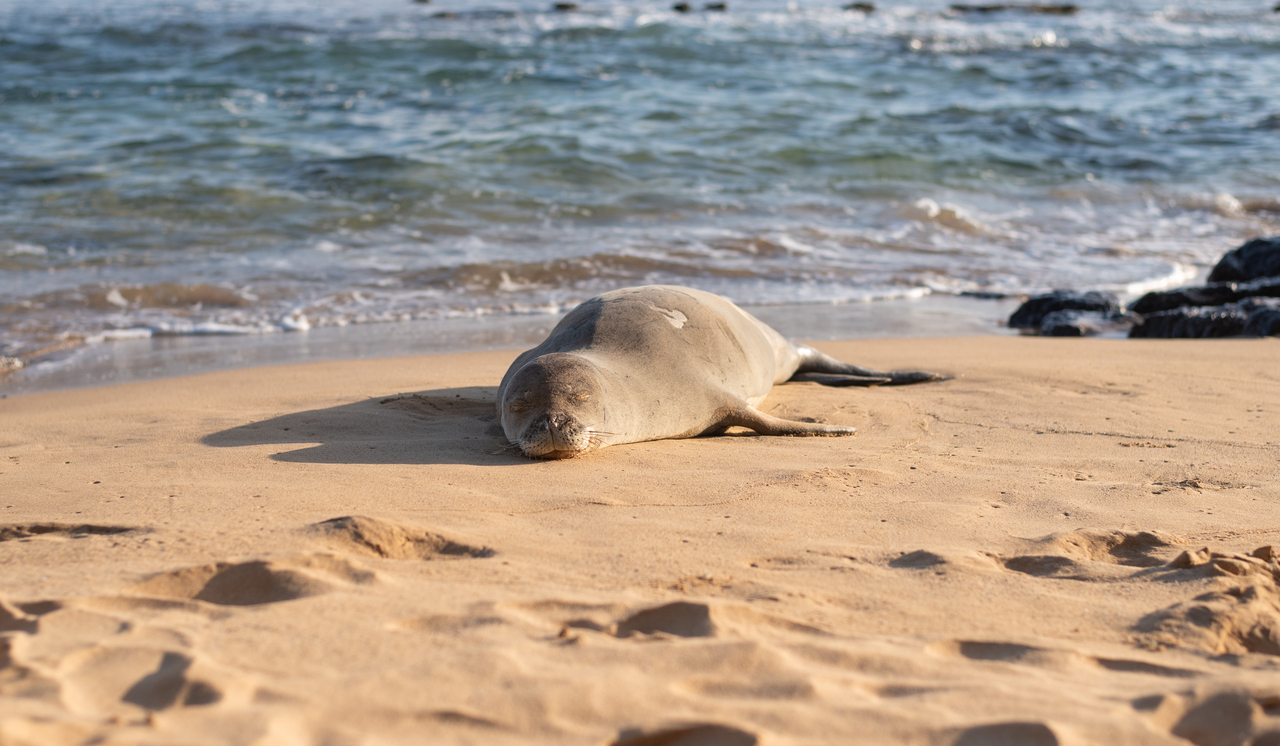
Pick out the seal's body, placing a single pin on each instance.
(655, 362)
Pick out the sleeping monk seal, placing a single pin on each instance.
(660, 361)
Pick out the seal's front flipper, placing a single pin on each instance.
(754, 419)
(812, 361)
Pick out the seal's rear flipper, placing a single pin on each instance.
(754, 419)
(848, 374)
(892, 378)
(828, 379)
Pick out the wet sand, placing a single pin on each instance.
(76, 365)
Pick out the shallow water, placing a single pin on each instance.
(223, 167)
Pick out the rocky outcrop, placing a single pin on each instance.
(1199, 322)
(1242, 297)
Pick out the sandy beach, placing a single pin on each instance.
(1067, 543)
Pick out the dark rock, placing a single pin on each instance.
(1084, 323)
(1254, 260)
(1264, 322)
(718, 7)
(1191, 322)
(1054, 10)
(564, 7)
(1216, 294)
(864, 7)
(1032, 312)
(681, 7)
(1208, 295)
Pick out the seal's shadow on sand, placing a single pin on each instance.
(442, 426)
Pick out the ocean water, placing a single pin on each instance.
(171, 168)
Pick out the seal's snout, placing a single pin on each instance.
(550, 423)
(558, 425)
(555, 435)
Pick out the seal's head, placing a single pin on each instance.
(553, 407)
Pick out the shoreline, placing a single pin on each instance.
(996, 557)
(126, 360)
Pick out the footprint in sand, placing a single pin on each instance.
(101, 665)
(918, 560)
(375, 537)
(687, 735)
(168, 685)
(679, 619)
(1217, 716)
(1092, 554)
(1009, 652)
(24, 531)
(1129, 548)
(1007, 734)
(689, 619)
(104, 680)
(923, 559)
(255, 582)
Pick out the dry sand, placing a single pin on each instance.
(350, 553)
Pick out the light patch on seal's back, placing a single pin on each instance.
(676, 318)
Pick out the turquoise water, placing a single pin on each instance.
(196, 167)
